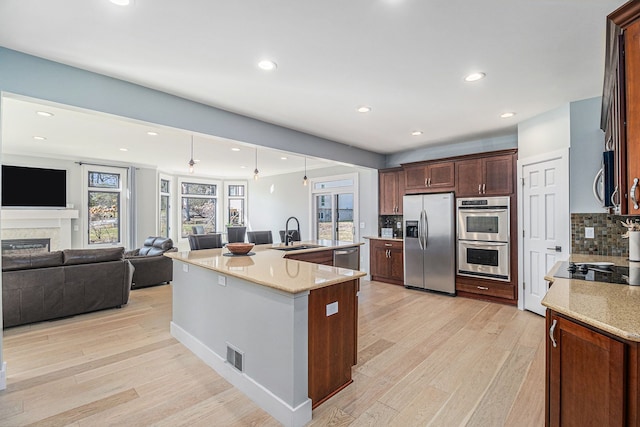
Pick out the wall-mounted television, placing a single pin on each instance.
(27, 187)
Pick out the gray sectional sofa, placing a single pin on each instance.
(51, 285)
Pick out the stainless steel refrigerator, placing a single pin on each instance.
(429, 242)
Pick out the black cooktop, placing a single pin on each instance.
(591, 272)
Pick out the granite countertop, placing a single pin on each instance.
(268, 267)
(609, 307)
(394, 239)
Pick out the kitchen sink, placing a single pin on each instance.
(297, 247)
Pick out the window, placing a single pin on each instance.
(334, 210)
(165, 208)
(199, 203)
(236, 198)
(106, 206)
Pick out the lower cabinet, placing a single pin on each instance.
(316, 257)
(591, 376)
(386, 261)
(333, 339)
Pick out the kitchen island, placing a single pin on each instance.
(593, 349)
(283, 331)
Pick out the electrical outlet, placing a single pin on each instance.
(589, 233)
(398, 224)
(222, 281)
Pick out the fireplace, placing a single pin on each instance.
(38, 224)
(22, 246)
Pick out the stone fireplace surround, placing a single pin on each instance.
(53, 224)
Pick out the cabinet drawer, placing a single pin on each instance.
(493, 289)
(388, 244)
(317, 257)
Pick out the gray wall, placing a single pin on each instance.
(585, 154)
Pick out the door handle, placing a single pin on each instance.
(551, 329)
(556, 248)
(633, 193)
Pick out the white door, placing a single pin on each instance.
(546, 224)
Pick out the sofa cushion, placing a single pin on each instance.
(85, 256)
(155, 246)
(25, 261)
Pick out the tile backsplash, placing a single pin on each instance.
(607, 234)
(391, 221)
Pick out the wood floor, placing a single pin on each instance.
(423, 359)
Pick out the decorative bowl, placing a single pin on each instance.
(239, 248)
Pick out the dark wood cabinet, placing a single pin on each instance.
(386, 261)
(324, 257)
(333, 338)
(390, 191)
(591, 376)
(485, 176)
(620, 118)
(427, 177)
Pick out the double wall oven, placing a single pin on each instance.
(483, 237)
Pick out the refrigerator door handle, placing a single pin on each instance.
(425, 229)
(420, 232)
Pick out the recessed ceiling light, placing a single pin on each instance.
(283, 158)
(243, 167)
(507, 115)
(474, 77)
(152, 133)
(363, 109)
(267, 65)
(124, 149)
(235, 149)
(39, 138)
(44, 113)
(121, 2)
(416, 132)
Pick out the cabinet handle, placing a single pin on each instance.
(633, 193)
(551, 329)
(479, 188)
(388, 244)
(426, 181)
(388, 253)
(483, 288)
(429, 182)
(484, 188)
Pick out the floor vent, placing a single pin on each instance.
(235, 358)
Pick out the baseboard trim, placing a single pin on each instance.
(276, 407)
(3, 376)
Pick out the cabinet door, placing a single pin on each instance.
(396, 265)
(632, 76)
(586, 375)
(498, 175)
(469, 178)
(388, 193)
(379, 260)
(441, 176)
(415, 177)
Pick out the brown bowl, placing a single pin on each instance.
(239, 248)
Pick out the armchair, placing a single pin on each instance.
(151, 266)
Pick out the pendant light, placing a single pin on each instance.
(304, 180)
(255, 171)
(191, 162)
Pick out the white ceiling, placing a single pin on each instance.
(404, 58)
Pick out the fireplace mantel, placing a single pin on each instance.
(54, 224)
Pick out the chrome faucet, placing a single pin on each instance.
(287, 237)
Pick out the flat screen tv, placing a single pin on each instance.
(26, 187)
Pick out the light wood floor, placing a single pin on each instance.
(423, 359)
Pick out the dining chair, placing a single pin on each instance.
(236, 234)
(205, 241)
(260, 237)
(197, 229)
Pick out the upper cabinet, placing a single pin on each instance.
(429, 177)
(391, 191)
(621, 104)
(485, 176)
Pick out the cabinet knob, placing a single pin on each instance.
(551, 329)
